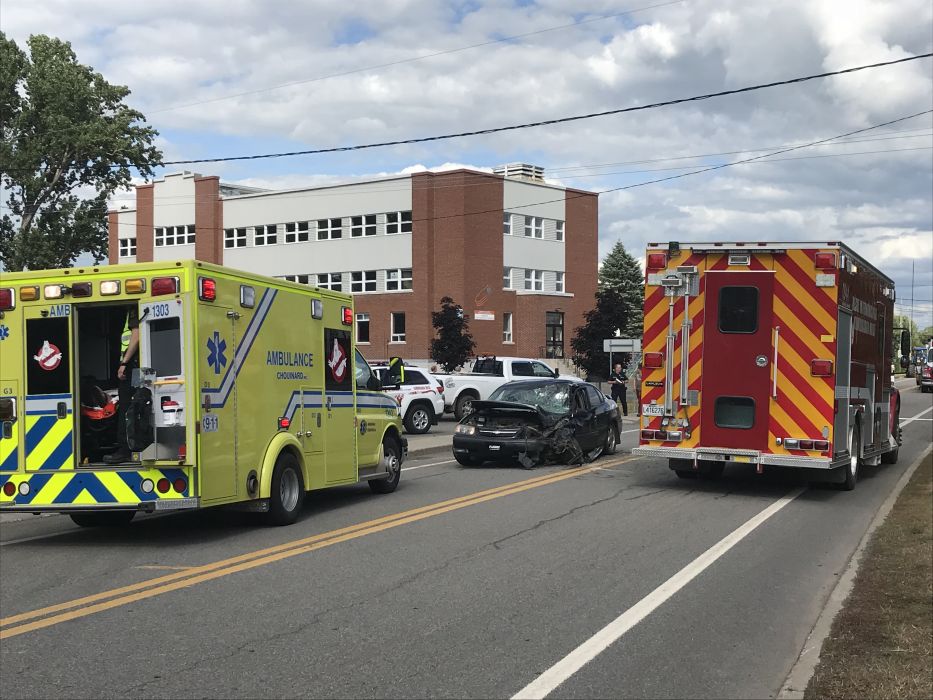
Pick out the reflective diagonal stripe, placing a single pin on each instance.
(53, 449)
(63, 488)
(9, 450)
(37, 427)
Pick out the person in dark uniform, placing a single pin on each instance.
(618, 381)
(129, 346)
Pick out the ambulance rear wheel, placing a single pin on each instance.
(288, 491)
(392, 454)
(113, 518)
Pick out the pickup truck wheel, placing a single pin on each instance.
(392, 454)
(419, 418)
(287, 492)
(113, 518)
(463, 406)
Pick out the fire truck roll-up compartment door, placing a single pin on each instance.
(217, 372)
(843, 391)
(737, 360)
(162, 354)
(49, 411)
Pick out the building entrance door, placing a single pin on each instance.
(554, 334)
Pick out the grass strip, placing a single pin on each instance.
(881, 642)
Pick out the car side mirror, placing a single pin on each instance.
(905, 343)
(556, 373)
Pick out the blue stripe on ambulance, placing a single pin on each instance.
(84, 482)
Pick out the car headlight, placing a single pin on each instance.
(465, 429)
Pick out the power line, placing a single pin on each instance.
(412, 59)
(547, 122)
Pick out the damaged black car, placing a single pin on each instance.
(535, 422)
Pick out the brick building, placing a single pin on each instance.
(518, 254)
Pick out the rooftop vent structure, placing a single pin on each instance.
(521, 171)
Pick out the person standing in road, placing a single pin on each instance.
(618, 381)
(129, 345)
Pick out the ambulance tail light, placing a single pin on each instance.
(347, 313)
(9, 488)
(7, 302)
(284, 423)
(82, 289)
(653, 360)
(656, 261)
(821, 368)
(207, 289)
(53, 291)
(179, 485)
(825, 261)
(109, 288)
(163, 485)
(137, 285)
(28, 293)
(164, 285)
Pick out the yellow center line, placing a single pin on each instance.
(82, 607)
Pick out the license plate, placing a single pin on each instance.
(652, 409)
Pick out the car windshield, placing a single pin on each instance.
(553, 398)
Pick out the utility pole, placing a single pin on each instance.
(911, 324)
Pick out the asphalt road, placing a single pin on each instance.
(475, 597)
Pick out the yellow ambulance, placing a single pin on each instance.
(244, 390)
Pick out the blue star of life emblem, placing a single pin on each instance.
(4, 332)
(216, 347)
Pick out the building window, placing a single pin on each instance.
(507, 327)
(328, 229)
(234, 238)
(559, 282)
(330, 280)
(398, 280)
(174, 235)
(534, 280)
(559, 230)
(265, 235)
(507, 224)
(554, 334)
(363, 225)
(398, 327)
(534, 227)
(362, 328)
(364, 281)
(506, 277)
(127, 247)
(296, 232)
(398, 222)
(301, 279)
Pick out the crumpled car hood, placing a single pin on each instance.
(532, 414)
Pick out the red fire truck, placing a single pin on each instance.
(768, 354)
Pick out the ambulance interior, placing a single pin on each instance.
(99, 329)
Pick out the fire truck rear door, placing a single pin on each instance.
(737, 360)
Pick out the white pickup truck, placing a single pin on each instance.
(487, 375)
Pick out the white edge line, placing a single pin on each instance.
(424, 466)
(553, 677)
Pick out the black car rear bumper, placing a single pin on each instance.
(495, 449)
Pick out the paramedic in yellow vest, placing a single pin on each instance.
(129, 346)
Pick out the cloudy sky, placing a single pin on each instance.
(236, 77)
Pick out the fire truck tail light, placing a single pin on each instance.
(164, 285)
(26, 294)
(653, 360)
(109, 288)
(790, 443)
(821, 368)
(647, 434)
(825, 261)
(656, 261)
(805, 444)
(207, 289)
(82, 289)
(137, 285)
(821, 445)
(6, 299)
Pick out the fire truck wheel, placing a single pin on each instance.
(419, 418)
(113, 518)
(851, 470)
(683, 468)
(287, 492)
(712, 470)
(392, 453)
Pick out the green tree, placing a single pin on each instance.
(904, 322)
(67, 142)
(622, 273)
(600, 322)
(454, 343)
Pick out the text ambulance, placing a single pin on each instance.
(767, 354)
(248, 391)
